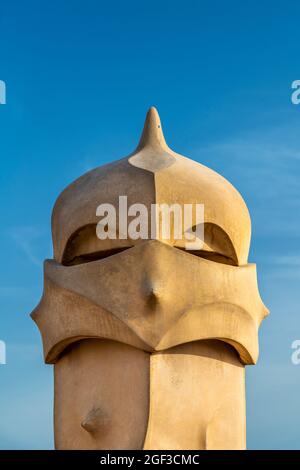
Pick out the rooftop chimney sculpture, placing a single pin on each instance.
(150, 340)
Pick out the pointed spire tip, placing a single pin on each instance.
(152, 134)
(153, 116)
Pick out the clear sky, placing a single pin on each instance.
(80, 76)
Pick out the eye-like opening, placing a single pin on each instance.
(217, 245)
(84, 246)
(211, 255)
(87, 258)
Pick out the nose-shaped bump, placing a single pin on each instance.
(153, 292)
(95, 420)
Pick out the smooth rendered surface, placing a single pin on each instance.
(101, 396)
(152, 174)
(108, 395)
(150, 340)
(197, 398)
(162, 295)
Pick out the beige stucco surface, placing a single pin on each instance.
(101, 396)
(149, 340)
(204, 383)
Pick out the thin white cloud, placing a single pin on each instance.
(26, 238)
(265, 167)
(284, 267)
(287, 260)
(13, 291)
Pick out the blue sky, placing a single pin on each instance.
(80, 77)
